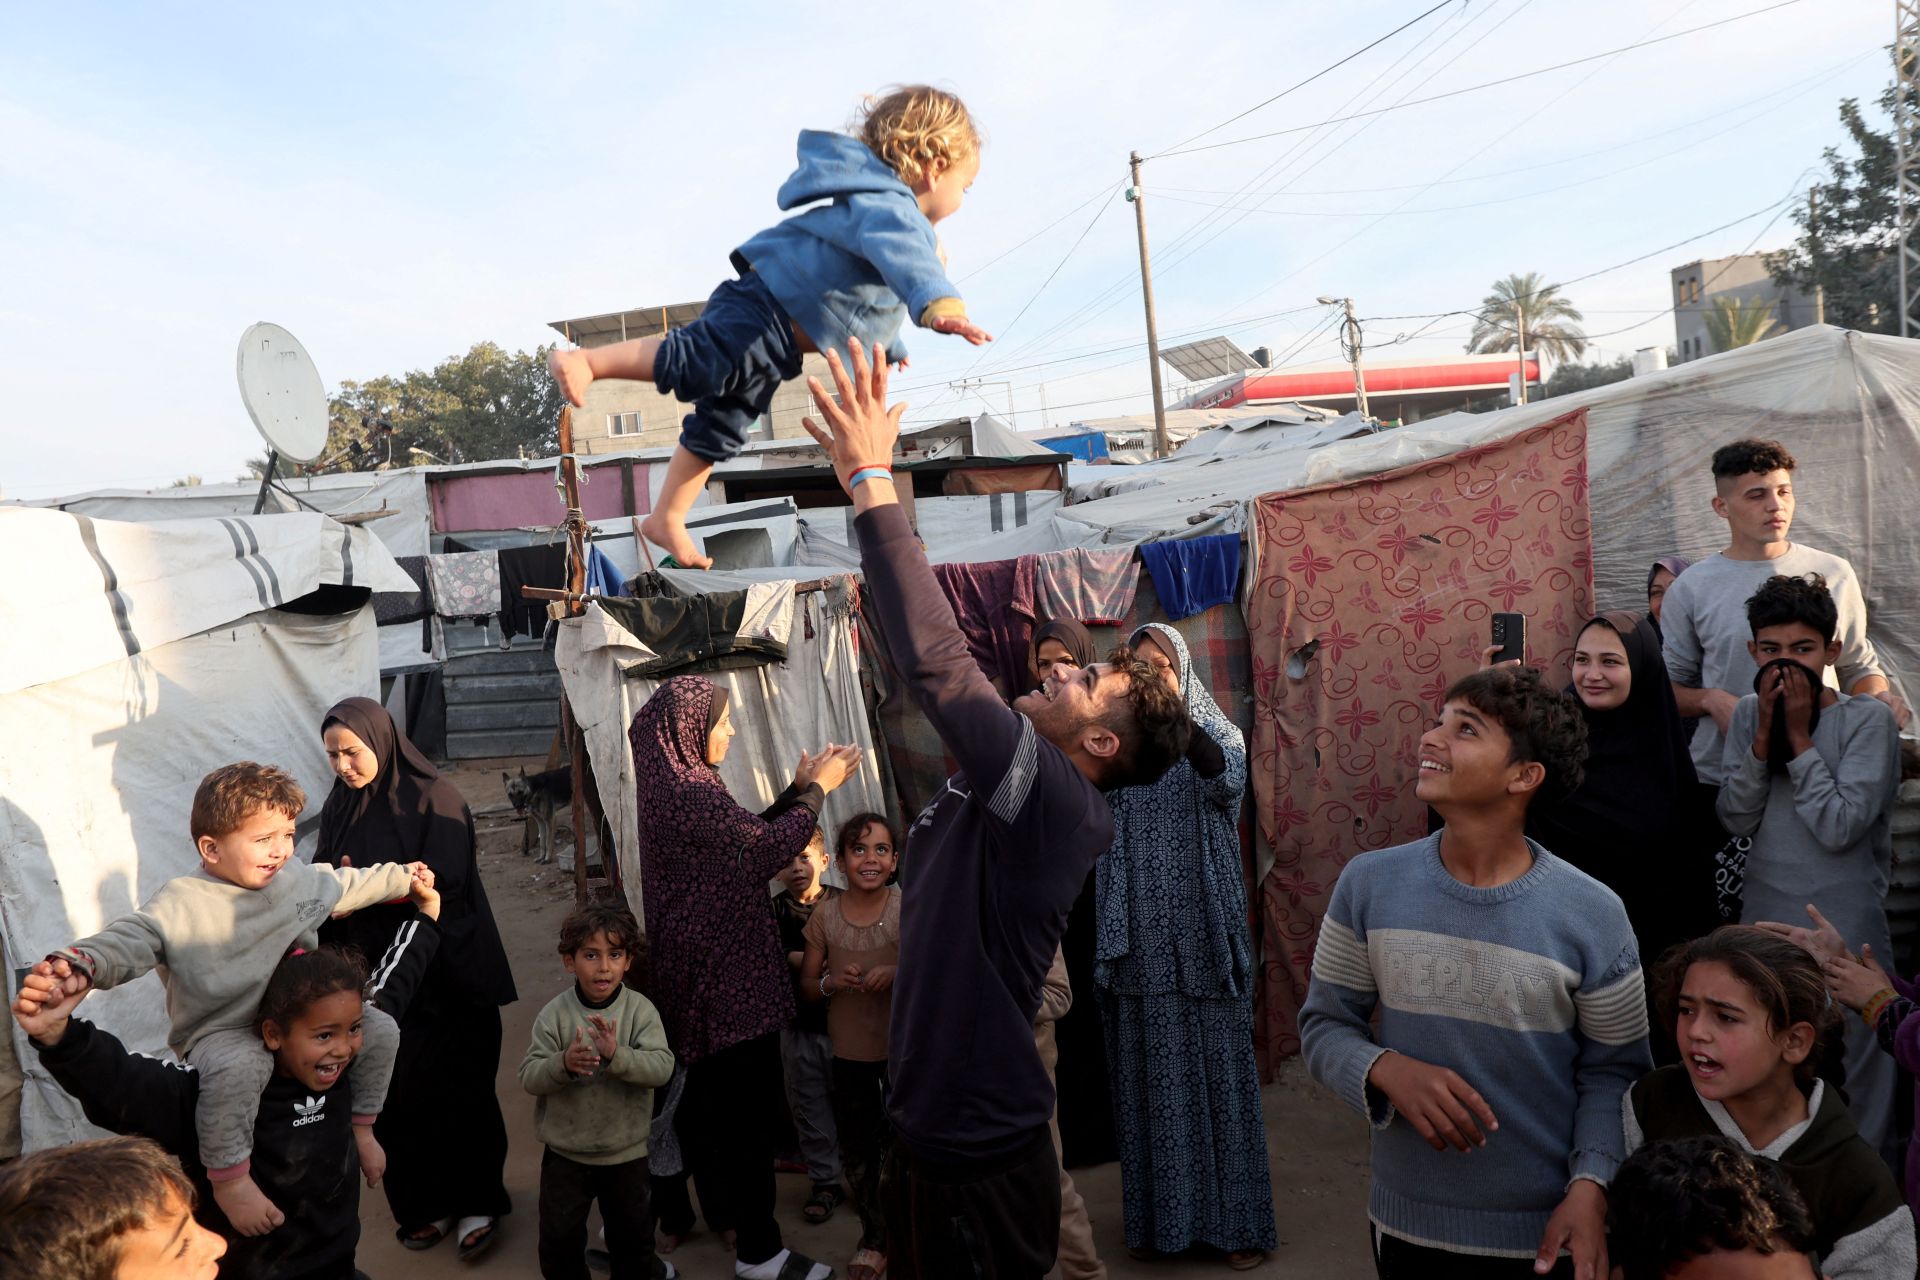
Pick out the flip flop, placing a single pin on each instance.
(412, 1239)
(479, 1222)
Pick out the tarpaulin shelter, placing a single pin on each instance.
(134, 658)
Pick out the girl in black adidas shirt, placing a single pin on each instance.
(304, 1156)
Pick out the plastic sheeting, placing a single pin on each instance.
(97, 774)
(82, 592)
(408, 532)
(779, 711)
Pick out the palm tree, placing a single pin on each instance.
(1527, 303)
(1738, 322)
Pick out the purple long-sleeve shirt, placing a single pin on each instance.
(990, 869)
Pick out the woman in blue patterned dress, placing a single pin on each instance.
(1174, 976)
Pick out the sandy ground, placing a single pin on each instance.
(1317, 1145)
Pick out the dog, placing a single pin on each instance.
(535, 797)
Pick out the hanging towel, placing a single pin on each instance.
(603, 575)
(544, 566)
(465, 584)
(390, 607)
(993, 602)
(1086, 586)
(1191, 575)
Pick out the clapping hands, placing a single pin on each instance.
(826, 768)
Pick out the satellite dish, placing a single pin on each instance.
(283, 393)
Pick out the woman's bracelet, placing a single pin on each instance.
(1870, 1014)
(824, 993)
(864, 474)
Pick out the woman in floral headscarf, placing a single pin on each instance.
(719, 976)
(1174, 974)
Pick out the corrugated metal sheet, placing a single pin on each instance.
(499, 702)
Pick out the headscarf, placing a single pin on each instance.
(1638, 772)
(410, 813)
(1074, 635)
(719, 975)
(672, 776)
(386, 820)
(1171, 901)
(1675, 565)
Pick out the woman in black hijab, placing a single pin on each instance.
(1635, 823)
(446, 1143)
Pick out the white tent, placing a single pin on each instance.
(402, 490)
(134, 658)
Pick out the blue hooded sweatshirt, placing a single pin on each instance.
(855, 268)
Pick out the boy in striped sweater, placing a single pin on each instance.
(1512, 1014)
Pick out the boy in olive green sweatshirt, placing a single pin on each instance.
(598, 1053)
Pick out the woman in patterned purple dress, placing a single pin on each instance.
(719, 976)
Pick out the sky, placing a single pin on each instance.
(395, 183)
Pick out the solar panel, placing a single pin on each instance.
(1208, 358)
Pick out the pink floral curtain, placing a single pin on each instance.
(1371, 598)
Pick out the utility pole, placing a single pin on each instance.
(1522, 307)
(1353, 354)
(1161, 448)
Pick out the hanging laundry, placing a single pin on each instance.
(404, 606)
(1086, 585)
(543, 566)
(465, 584)
(718, 631)
(993, 602)
(1191, 575)
(604, 577)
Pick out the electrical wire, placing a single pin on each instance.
(1332, 66)
(1489, 84)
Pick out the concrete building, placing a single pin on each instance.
(621, 416)
(1744, 277)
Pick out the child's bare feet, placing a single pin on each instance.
(573, 374)
(373, 1157)
(664, 530)
(247, 1206)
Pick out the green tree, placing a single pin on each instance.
(186, 482)
(1738, 322)
(1850, 230)
(1517, 302)
(488, 403)
(1573, 376)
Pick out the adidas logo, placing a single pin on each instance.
(310, 1110)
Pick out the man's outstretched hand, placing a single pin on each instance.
(860, 429)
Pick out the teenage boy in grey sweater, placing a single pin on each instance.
(1512, 1015)
(1812, 776)
(1703, 619)
(216, 936)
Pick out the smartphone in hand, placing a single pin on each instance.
(1510, 633)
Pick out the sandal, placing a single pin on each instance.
(867, 1264)
(417, 1238)
(826, 1197)
(482, 1225)
(1246, 1259)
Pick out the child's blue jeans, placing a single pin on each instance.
(728, 363)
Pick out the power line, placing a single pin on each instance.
(1180, 247)
(1772, 96)
(1332, 66)
(1490, 84)
(1057, 267)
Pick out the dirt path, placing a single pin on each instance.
(1317, 1145)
